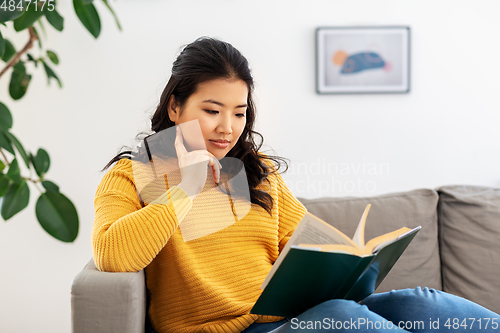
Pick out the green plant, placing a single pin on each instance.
(55, 212)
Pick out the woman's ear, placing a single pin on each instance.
(173, 109)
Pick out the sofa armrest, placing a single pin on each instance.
(108, 302)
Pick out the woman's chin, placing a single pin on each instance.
(219, 154)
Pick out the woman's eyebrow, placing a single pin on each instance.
(221, 104)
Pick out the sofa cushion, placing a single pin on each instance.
(469, 229)
(420, 264)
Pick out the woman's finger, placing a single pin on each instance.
(215, 159)
(216, 169)
(179, 143)
(210, 155)
(216, 166)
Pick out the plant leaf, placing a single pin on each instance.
(4, 184)
(50, 186)
(50, 73)
(87, 14)
(31, 58)
(19, 148)
(27, 19)
(15, 199)
(58, 216)
(32, 160)
(41, 162)
(53, 57)
(5, 117)
(9, 50)
(114, 15)
(19, 81)
(2, 45)
(56, 20)
(39, 39)
(9, 15)
(5, 142)
(14, 172)
(2, 167)
(40, 22)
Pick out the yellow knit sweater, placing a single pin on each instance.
(208, 284)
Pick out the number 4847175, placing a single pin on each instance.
(471, 323)
(38, 4)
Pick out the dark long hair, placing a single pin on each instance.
(208, 59)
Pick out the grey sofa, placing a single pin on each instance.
(457, 250)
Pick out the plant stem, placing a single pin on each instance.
(15, 59)
(35, 182)
(39, 189)
(5, 158)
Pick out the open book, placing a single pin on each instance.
(320, 263)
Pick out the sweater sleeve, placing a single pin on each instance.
(126, 237)
(290, 211)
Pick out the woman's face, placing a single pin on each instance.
(220, 107)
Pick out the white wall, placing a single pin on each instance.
(444, 132)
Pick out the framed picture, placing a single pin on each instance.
(362, 60)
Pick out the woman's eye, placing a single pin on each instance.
(240, 115)
(211, 111)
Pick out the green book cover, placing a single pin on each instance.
(307, 277)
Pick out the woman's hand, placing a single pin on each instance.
(193, 166)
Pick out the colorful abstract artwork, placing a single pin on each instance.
(363, 60)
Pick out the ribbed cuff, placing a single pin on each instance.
(181, 202)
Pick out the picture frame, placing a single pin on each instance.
(362, 60)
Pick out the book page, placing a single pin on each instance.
(378, 243)
(359, 235)
(373, 246)
(311, 230)
(338, 248)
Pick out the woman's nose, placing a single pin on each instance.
(224, 125)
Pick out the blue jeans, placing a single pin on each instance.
(407, 310)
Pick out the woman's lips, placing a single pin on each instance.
(220, 143)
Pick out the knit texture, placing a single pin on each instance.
(208, 284)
